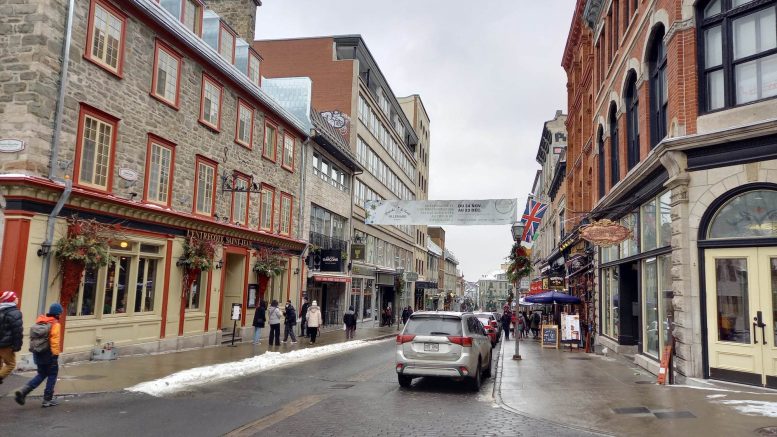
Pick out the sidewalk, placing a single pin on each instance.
(608, 395)
(116, 375)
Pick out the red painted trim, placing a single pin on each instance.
(291, 215)
(245, 288)
(161, 45)
(84, 111)
(261, 206)
(154, 139)
(274, 157)
(293, 151)
(10, 212)
(13, 259)
(168, 263)
(224, 27)
(288, 282)
(119, 72)
(207, 78)
(210, 163)
(244, 104)
(247, 179)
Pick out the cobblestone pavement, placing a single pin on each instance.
(353, 393)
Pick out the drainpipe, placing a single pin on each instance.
(302, 203)
(45, 250)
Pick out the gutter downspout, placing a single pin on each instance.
(45, 250)
(301, 214)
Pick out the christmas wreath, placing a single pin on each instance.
(520, 263)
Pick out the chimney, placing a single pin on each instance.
(240, 14)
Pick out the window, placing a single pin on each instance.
(611, 302)
(270, 140)
(266, 211)
(193, 296)
(239, 211)
(227, 43)
(191, 15)
(632, 121)
(96, 141)
(614, 164)
(167, 75)
(288, 152)
(253, 68)
(383, 102)
(749, 215)
(739, 46)
(330, 173)
(210, 103)
(656, 222)
(602, 162)
(145, 285)
(160, 159)
(205, 186)
(659, 94)
(244, 124)
(286, 210)
(105, 37)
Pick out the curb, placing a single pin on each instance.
(504, 406)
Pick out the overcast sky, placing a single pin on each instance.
(489, 74)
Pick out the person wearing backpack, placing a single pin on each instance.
(45, 345)
(11, 332)
(349, 320)
(289, 323)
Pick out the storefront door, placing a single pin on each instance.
(741, 294)
(234, 284)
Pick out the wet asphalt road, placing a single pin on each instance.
(353, 393)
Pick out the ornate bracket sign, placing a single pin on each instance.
(605, 233)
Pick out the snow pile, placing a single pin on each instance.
(753, 408)
(248, 366)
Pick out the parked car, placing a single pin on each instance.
(443, 344)
(492, 325)
(499, 328)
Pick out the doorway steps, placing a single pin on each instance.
(226, 336)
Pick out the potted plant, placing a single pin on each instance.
(197, 257)
(268, 263)
(85, 245)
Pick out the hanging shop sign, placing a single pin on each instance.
(331, 260)
(385, 279)
(411, 276)
(545, 283)
(340, 279)
(441, 212)
(535, 287)
(358, 270)
(556, 283)
(576, 264)
(605, 233)
(357, 252)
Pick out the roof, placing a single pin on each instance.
(433, 248)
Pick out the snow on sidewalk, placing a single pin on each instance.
(220, 372)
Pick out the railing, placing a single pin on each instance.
(326, 242)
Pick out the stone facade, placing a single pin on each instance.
(240, 14)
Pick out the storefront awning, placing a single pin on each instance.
(318, 277)
(425, 285)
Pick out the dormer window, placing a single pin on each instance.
(227, 43)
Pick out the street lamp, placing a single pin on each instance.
(517, 231)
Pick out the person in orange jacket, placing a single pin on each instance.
(45, 345)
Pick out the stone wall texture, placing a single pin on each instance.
(240, 14)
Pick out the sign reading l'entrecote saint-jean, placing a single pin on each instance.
(223, 239)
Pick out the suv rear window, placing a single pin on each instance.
(433, 326)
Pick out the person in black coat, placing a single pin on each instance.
(303, 311)
(349, 320)
(11, 332)
(260, 316)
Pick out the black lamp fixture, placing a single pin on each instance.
(517, 230)
(219, 264)
(229, 185)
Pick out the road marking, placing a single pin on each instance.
(284, 413)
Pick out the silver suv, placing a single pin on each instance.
(443, 344)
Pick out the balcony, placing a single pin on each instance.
(326, 242)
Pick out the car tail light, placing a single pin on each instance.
(464, 371)
(400, 366)
(493, 323)
(404, 338)
(462, 341)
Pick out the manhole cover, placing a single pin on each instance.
(769, 430)
(631, 410)
(340, 386)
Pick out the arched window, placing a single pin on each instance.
(600, 144)
(632, 121)
(752, 214)
(614, 163)
(659, 96)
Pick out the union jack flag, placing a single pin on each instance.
(531, 219)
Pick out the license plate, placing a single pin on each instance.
(431, 347)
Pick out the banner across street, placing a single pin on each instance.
(441, 212)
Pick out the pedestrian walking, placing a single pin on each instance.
(303, 312)
(274, 318)
(11, 332)
(349, 320)
(526, 324)
(314, 321)
(405, 315)
(535, 323)
(520, 325)
(45, 345)
(260, 317)
(507, 317)
(290, 322)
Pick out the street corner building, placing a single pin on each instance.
(148, 116)
(672, 134)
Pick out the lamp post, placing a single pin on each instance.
(517, 231)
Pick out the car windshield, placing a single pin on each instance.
(433, 326)
(481, 317)
(484, 320)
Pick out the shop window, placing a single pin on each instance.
(649, 225)
(166, 79)
(205, 186)
(105, 38)
(160, 157)
(611, 302)
(749, 215)
(659, 91)
(266, 209)
(286, 210)
(84, 303)
(656, 221)
(210, 103)
(665, 219)
(193, 298)
(116, 286)
(650, 344)
(227, 43)
(244, 124)
(288, 152)
(739, 44)
(145, 285)
(240, 199)
(95, 148)
(630, 246)
(666, 310)
(270, 141)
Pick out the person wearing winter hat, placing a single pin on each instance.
(314, 320)
(45, 345)
(11, 332)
